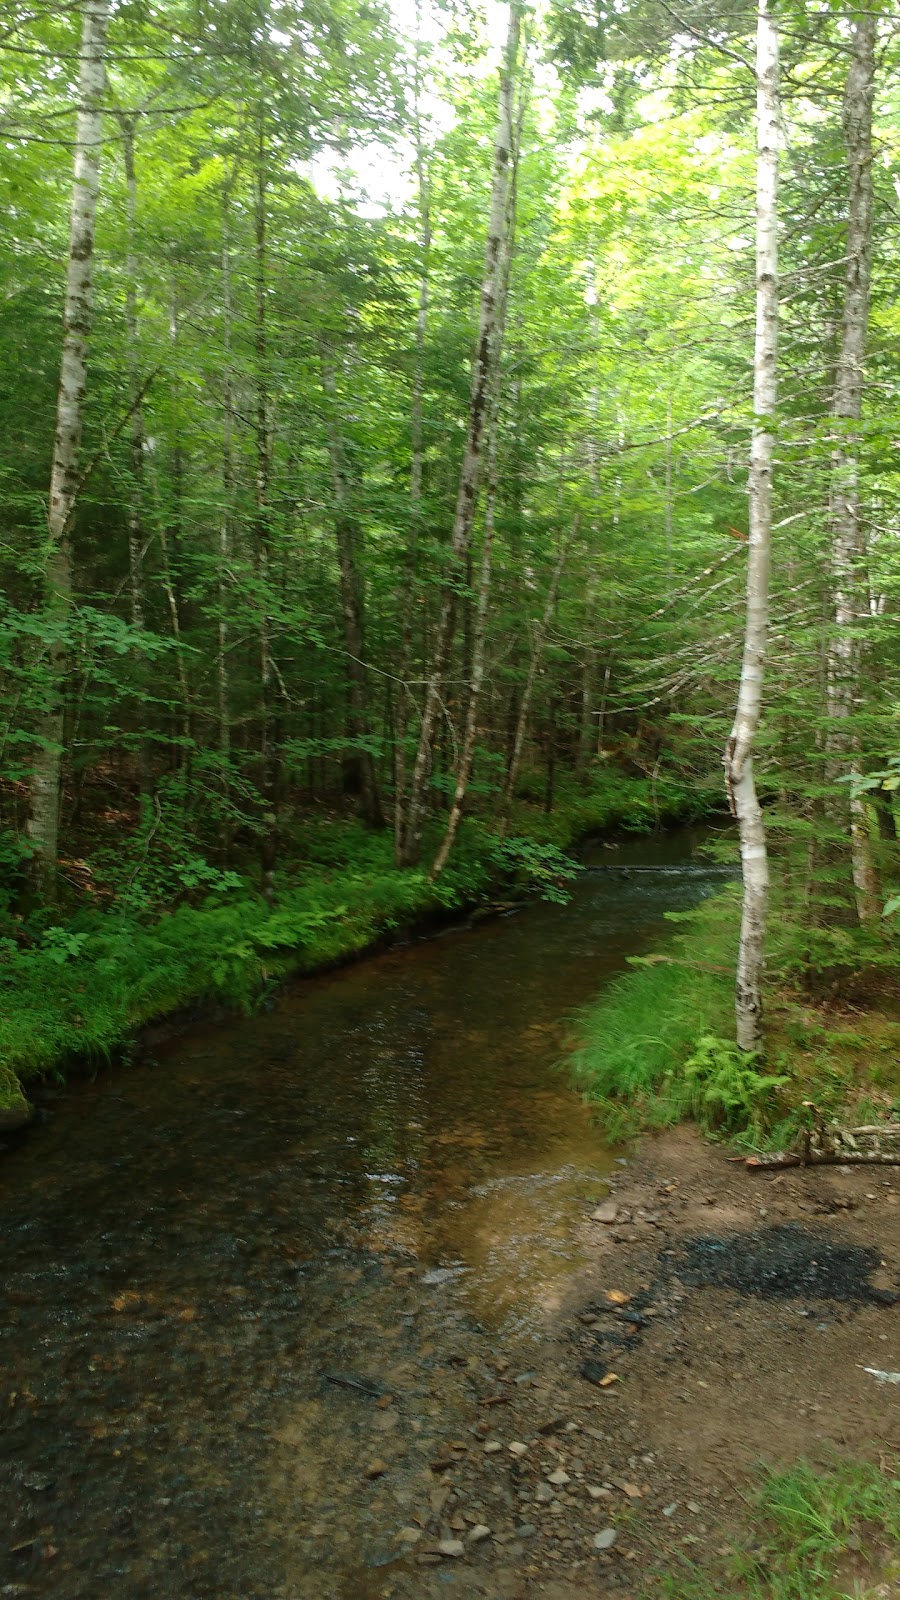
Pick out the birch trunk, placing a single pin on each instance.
(476, 678)
(487, 354)
(740, 749)
(847, 535)
(43, 821)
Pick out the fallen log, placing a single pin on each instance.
(822, 1158)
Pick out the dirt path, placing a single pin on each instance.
(704, 1380)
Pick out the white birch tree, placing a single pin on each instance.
(741, 745)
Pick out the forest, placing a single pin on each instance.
(449, 514)
(432, 436)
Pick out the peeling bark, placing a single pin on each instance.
(739, 751)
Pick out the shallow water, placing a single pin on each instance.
(214, 1264)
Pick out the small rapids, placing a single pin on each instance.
(244, 1283)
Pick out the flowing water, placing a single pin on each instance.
(249, 1285)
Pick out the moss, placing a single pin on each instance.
(14, 1108)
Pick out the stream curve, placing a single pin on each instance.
(252, 1287)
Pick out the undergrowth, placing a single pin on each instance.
(815, 1535)
(81, 988)
(656, 1048)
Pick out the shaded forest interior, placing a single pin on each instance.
(378, 406)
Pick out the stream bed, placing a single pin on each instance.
(257, 1288)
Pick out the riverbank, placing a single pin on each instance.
(84, 990)
(656, 1047)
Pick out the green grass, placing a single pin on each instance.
(815, 1535)
(655, 1049)
(634, 1041)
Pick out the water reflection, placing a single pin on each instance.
(192, 1250)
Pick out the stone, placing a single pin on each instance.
(492, 1447)
(377, 1468)
(517, 1448)
(409, 1535)
(559, 1477)
(543, 1494)
(453, 1548)
(605, 1539)
(480, 1532)
(596, 1493)
(607, 1213)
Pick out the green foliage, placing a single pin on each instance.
(539, 866)
(806, 1522)
(633, 1043)
(727, 1090)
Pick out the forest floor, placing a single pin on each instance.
(733, 1316)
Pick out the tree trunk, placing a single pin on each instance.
(847, 535)
(268, 758)
(487, 354)
(416, 480)
(739, 752)
(476, 679)
(537, 650)
(348, 540)
(43, 821)
(137, 606)
(225, 526)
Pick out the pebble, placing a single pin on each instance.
(376, 1469)
(409, 1535)
(479, 1532)
(606, 1213)
(669, 1511)
(517, 1448)
(543, 1494)
(596, 1493)
(605, 1539)
(451, 1547)
(526, 1530)
(559, 1477)
(492, 1446)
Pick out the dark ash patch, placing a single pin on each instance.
(783, 1262)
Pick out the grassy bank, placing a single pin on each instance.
(80, 990)
(814, 1535)
(656, 1048)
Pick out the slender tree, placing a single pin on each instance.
(848, 540)
(741, 745)
(487, 354)
(43, 821)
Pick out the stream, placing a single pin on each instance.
(256, 1288)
